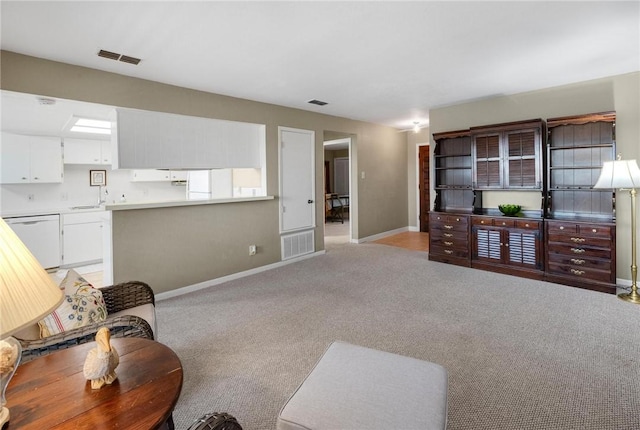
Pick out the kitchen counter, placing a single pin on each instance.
(175, 203)
(50, 211)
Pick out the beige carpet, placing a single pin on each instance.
(521, 354)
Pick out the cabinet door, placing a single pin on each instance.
(523, 159)
(105, 152)
(488, 245)
(524, 249)
(488, 161)
(46, 159)
(178, 175)
(82, 151)
(82, 243)
(15, 159)
(150, 175)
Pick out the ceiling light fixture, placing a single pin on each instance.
(416, 126)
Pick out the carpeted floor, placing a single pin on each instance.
(521, 354)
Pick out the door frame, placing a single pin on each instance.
(353, 201)
(417, 227)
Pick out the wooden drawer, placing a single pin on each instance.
(449, 251)
(586, 230)
(445, 222)
(449, 234)
(580, 272)
(579, 240)
(527, 224)
(580, 262)
(579, 250)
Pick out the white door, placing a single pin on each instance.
(297, 179)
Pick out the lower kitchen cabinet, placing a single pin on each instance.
(507, 245)
(449, 238)
(582, 254)
(81, 238)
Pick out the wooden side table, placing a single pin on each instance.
(51, 391)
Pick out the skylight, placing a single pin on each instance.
(92, 126)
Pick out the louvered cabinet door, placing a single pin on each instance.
(488, 161)
(523, 159)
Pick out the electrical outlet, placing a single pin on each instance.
(31, 197)
(252, 250)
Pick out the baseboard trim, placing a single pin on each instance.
(217, 281)
(382, 235)
(414, 228)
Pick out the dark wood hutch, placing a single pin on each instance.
(570, 240)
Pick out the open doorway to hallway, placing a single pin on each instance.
(337, 190)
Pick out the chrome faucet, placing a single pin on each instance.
(100, 199)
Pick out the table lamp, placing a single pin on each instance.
(27, 294)
(624, 175)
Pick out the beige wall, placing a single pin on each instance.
(158, 246)
(616, 93)
(413, 141)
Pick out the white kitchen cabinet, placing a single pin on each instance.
(155, 140)
(30, 159)
(82, 238)
(156, 175)
(41, 234)
(87, 151)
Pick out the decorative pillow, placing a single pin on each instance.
(82, 305)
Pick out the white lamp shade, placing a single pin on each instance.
(619, 174)
(27, 292)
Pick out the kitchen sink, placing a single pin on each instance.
(86, 207)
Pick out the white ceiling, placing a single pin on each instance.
(383, 62)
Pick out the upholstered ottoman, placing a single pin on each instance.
(357, 388)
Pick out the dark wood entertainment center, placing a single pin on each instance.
(570, 239)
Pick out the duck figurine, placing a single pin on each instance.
(101, 362)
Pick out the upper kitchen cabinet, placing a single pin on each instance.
(154, 140)
(30, 159)
(508, 156)
(87, 151)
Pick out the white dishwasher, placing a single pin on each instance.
(41, 234)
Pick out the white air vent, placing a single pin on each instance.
(297, 244)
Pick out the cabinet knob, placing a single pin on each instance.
(504, 223)
(482, 222)
(594, 230)
(561, 228)
(457, 219)
(526, 225)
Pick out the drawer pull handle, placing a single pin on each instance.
(577, 272)
(577, 261)
(448, 243)
(578, 239)
(577, 250)
(447, 234)
(448, 251)
(448, 227)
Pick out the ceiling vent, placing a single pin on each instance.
(46, 101)
(317, 102)
(118, 57)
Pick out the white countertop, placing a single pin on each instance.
(174, 203)
(128, 206)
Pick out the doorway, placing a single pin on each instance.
(338, 191)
